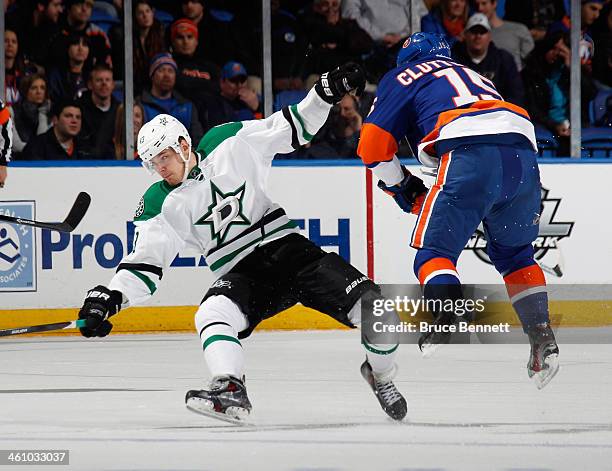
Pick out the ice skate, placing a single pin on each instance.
(391, 400)
(544, 359)
(430, 341)
(226, 400)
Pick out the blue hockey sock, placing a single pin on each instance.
(527, 291)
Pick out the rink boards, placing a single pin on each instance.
(44, 275)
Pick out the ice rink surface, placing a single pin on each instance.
(118, 404)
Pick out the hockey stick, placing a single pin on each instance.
(43, 328)
(79, 208)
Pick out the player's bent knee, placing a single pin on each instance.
(372, 310)
(367, 300)
(220, 310)
(509, 259)
(429, 264)
(433, 268)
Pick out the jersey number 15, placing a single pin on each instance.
(466, 91)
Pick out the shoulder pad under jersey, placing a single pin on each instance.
(151, 203)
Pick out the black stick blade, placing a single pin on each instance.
(76, 214)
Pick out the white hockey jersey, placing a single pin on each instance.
(222, 210)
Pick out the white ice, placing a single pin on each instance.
(118, 404)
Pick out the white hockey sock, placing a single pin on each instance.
(380, 357)
(218, 322)
(382, 360)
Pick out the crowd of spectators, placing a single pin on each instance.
(200, 61)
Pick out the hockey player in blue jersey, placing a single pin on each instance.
(484, 149)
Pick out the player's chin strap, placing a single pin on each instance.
(187, 169)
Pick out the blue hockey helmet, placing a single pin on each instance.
(421, 45)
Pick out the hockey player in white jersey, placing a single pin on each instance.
(214, 199)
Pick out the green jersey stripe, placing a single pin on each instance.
(370, 348)
(305, 133)
(216, 338)
(289, 227)
(145, 279)
(217, 135)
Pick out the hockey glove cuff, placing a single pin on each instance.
(332, 86)
(100, 304)
(409, 194)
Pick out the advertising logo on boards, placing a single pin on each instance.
(17, 248)
(551, 232)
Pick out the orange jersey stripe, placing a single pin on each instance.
(417, 240)
(525, 278)
(4, 116)
(433, 265)
(376, 144)
(482, 105)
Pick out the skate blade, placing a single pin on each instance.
(233, 415)
(429, 349)
(542, 378)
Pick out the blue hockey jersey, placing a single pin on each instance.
(436, 100)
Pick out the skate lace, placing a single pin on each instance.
(388, 392)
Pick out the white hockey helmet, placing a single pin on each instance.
(162, 132)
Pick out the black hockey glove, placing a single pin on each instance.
(99, 305)
(332, 86)
(409, 194)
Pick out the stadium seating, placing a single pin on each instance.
(288, 97)
(597, 142)
(104, 16)
(598, 107)
(547, 144)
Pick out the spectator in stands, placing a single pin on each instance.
(591, 9)
(236, 102)
(288, 48)
(68, 79)
(163, 98)
(98, 108)
(602, 61)
(589, 13)
(43, 28)
(119, 137)
(546, 78)
(334, 40)
(508, 35)
(76, 21)
(537, 15)
(195, 75)
(339, 136)
(60, 142)
(149, 40)
(222, 36)
(31, 116)
(448, 19)
(421, 8)
(479, 53)
(603, 26)
(14, 67)
(387, 21)
(17, 15)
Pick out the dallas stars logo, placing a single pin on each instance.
(225, 210)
